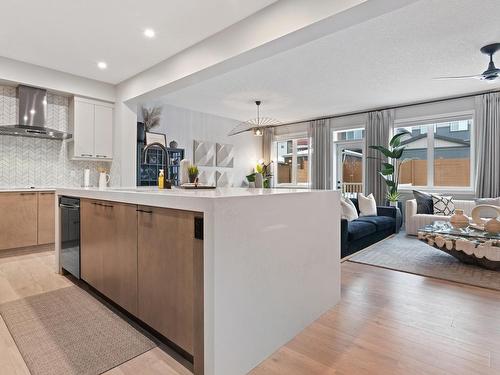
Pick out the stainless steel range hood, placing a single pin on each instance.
(32, 116)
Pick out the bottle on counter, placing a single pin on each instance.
(161, 179)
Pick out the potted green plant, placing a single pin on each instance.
(265, 170)
(192, 173)
(391, 171)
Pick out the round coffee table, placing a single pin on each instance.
(469, 245)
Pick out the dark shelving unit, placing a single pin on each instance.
(148, 169)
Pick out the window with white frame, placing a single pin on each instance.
(439, 157)
(292, 162)
(459, 126)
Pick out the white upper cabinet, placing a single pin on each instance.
(83, 130)
(103, 132)
(91, 123)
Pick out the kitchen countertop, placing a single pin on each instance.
(25, 189)
(187, 199)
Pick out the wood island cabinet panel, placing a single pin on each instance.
(92, 242)
(46, 217)
(109, 250)
(120, 259)
(18, 222)
(166, 262)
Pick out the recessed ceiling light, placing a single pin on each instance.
(102, 65)
(149, 33)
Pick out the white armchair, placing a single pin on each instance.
(414, 221)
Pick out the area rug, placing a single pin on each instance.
(67, 331)
(408, 254)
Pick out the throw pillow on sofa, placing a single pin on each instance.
(367, 205)
(443, 205)
(424, 202)
(348, 209)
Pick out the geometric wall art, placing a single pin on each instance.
(207, 178)
(225, 155)
(223, 179)
(204, 153)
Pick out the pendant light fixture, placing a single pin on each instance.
(255, 125)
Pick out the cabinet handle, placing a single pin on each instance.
(146, 212)
(46, 193)
(27, 193)
(103, 205)
(101, 156)
(198, 228)
(86, 155)
(69, 207)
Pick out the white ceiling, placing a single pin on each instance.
(386, 61)
(73, 35)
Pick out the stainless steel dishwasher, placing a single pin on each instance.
(70, 235)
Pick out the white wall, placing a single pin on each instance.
(185, 126)
(33, 75)
(435, 109)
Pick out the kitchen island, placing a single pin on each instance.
(227, 275)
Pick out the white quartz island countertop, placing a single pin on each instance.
(271, 264)
(201, 200)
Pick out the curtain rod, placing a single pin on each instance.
(392, 107)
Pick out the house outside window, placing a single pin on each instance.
(439, 158)
(349, 135)
(292, 162)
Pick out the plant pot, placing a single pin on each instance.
(192, 178)
(393, 203)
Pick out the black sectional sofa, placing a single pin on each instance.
(366, 230)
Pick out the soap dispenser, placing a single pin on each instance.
(161, 180)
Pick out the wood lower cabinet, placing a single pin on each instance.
(93, 242)
(18, 220)
(109, 250)
(168, 260)
(46, 217)
(148, 261)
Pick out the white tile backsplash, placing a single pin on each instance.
(39, 162)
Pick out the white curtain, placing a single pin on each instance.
(487, 135)
(377, 132)
(267, 142)
(321, 154)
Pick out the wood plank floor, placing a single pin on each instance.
(387, 323)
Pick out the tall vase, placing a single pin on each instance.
(259, 181)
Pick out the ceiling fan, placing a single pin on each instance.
(256, 125)
(490, 74)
